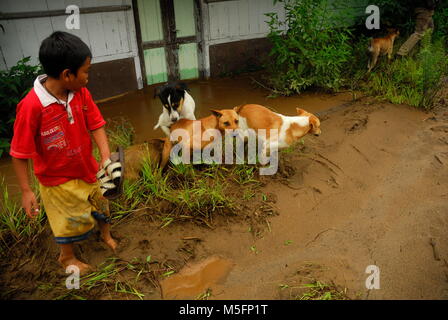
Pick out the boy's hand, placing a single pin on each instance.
(30, 204)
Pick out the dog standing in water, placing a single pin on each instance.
(177, 104)
(382, 46)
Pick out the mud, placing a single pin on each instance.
(371, 190)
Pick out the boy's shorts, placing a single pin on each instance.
(72, 208)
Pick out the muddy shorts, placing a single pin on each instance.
(72, 209)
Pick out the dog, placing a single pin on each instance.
(382, 46)
(177, 104)
(136, 155)
(219, 119)
(290, 128)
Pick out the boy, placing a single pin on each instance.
(52, 127)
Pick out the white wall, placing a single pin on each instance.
(109, 35)
(236, 20)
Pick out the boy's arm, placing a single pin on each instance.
(100, 138)
(29, 202)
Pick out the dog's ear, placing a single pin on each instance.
(181, 86)
(216, 113)
(157, 91)
(238, 108)
(313, 123)
(300, 111)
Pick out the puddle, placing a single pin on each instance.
(194, 280)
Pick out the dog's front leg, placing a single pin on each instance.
(166, 130)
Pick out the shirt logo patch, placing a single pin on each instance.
(54, 138)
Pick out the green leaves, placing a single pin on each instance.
(15, 83)
(307, 49)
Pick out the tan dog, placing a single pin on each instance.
(135, 156)
(382, 46)
(290, 129)
(220, 120)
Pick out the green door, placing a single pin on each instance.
(169, 38)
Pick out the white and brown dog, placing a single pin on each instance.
(289, 128)
(226, 121)
(177, 104)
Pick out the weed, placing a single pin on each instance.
(320, 291)
(15, 225)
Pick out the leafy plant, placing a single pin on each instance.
(441, 20)
(14, 85)
(308, 49)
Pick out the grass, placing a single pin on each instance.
(414, 79)
(315, 290)
(15, 226)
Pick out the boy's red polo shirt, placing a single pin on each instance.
(61, 149)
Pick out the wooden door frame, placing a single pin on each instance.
(170, 42)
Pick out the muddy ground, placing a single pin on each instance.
(371, 190)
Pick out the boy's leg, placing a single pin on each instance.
(101, 212)
(68, 213)
(67, 258)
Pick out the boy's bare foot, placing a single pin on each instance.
(67, 261)
(110, 242)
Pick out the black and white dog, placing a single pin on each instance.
(177, 104)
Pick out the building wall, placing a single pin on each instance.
(235, 31)
(229, 28)
(109, 35)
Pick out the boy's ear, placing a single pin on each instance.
(216, 113)
(65, 74)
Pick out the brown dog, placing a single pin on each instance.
(136, 155)
(220, 120)
(290, 129)
(382, 46)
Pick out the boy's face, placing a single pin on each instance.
(76, 82)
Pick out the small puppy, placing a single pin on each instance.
(290, 129)
(219, 119)
(382, 46)
(177, 104)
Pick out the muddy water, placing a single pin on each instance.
(143, 110)
(194, 280)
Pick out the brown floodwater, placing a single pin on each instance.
(142, 110)
(194, 280)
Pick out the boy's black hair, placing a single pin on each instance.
(62, 50)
